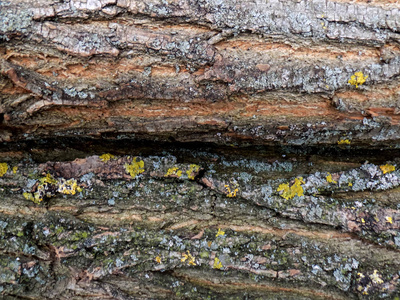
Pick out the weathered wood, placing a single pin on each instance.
(190, 96)
(264, 72)
(210, 225)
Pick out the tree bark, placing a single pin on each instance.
(199, 149)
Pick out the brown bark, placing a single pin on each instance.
(260, 72)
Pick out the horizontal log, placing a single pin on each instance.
(219, 225)
(276, 72)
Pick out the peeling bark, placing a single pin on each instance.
(232, 72)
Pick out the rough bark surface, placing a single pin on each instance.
(188, 97)
(220, 71)
(199, 224)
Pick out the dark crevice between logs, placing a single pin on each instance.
(69, 148)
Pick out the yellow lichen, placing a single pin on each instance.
(360, 287)
(220, 233)
(376, 278)
(44, 189)
(174, 172)
(232, 188)
(68, 187)
(217, 263)
(350, 184)
(48, 179)
(28, 196)
(35, 197)
(357, 79)
(389, 220)
(231, 192)
(362, 220)
(387, 168)
(3, 169)
(189, 258)
(285, 188)
(330, 179)
(158, 259)
(106, 157)
(288, 192)
(192, 172)
(49, 186)
(344, 142)
(135, 168)
(15, 169)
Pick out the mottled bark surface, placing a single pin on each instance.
(199, 224)
(253, 149)
(220, 71)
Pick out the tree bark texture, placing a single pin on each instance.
(207, 149)
(266, 72)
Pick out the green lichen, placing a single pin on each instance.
(135, 168)
(204, 254)
(80, 236)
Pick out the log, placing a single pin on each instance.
(199, 149)
(263, 72)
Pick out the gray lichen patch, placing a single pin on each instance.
(255, 257)
(165, 219)
(14, 23)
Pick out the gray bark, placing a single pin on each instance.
(267, 72)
